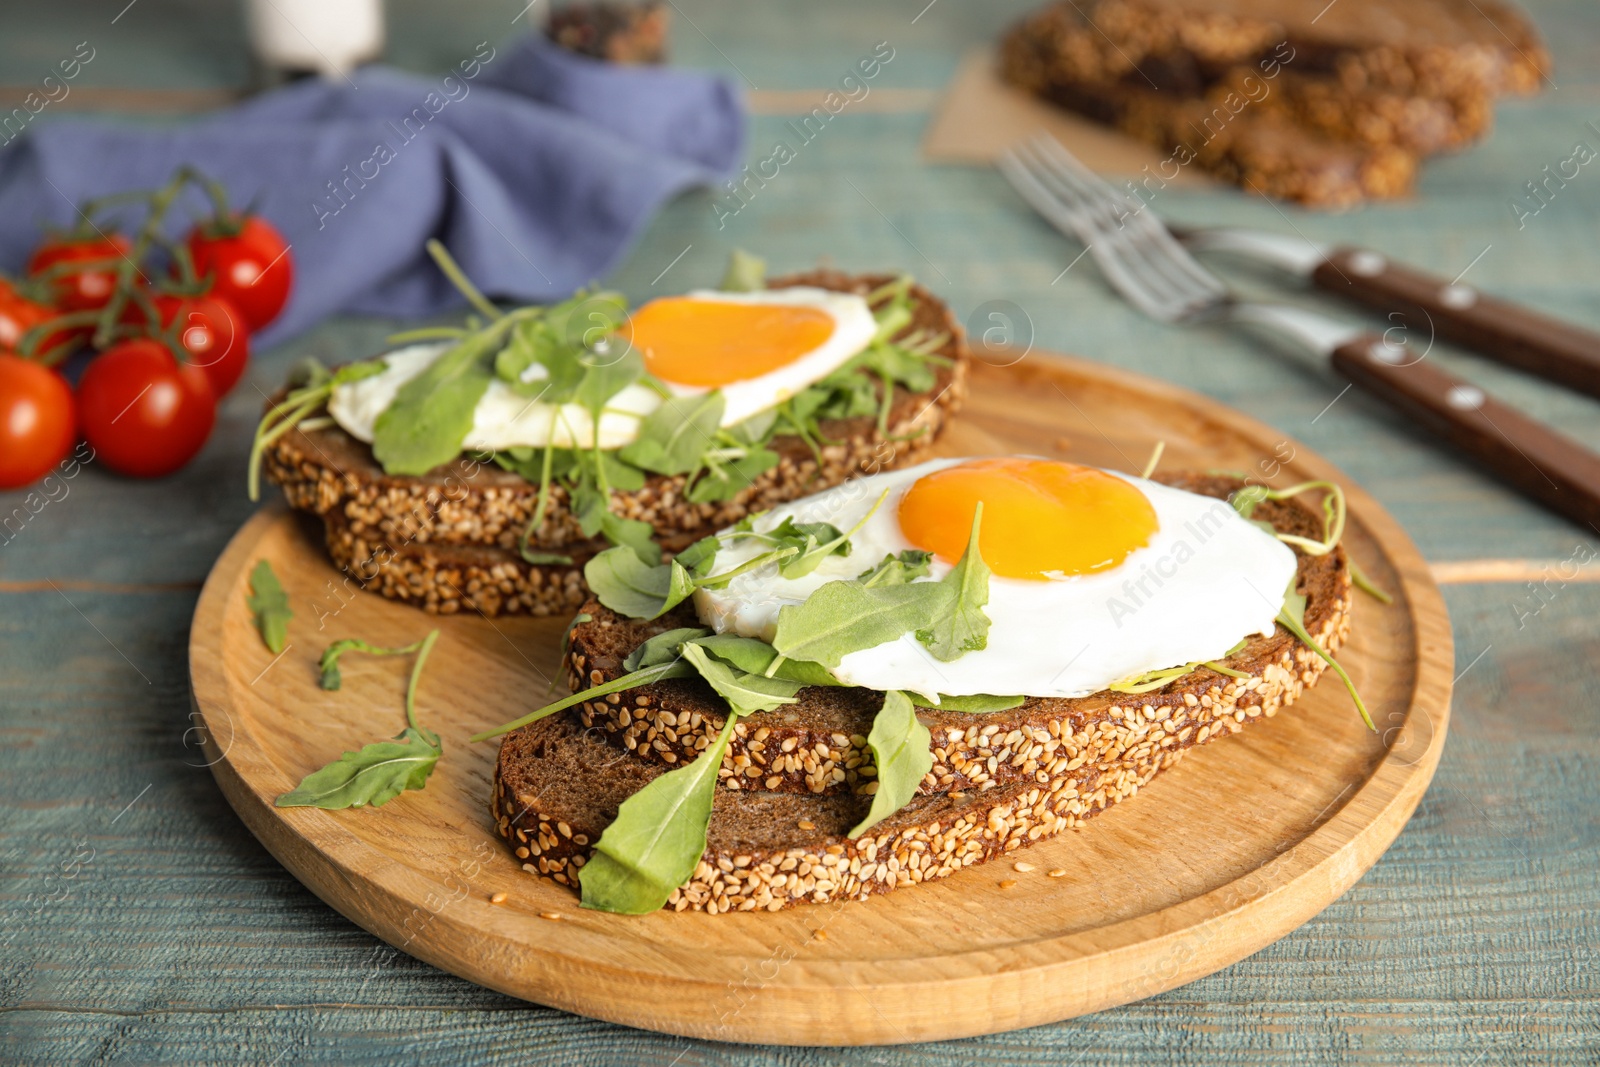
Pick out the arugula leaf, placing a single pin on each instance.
(902, 752)
(899, 569)
(656, 841)
(270, 605)
(844, 617)
(635, 534)
(980, 704)
(432, 413)
(745, 693)
(381, 771)
(965, 627)
(745, 273)
(1293, 618)
(700, 557)
(628, 585)
(643, 676)
(754, 656)
(662, 648)
(374, 775)
(604, 377)
(724, 481)
(813, 550)
(673, 438)
(329, 663)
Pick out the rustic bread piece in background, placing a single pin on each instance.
(819, 743)
(1321, 108)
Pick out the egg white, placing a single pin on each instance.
(1206, 580)
(504, 420)
(853, 327)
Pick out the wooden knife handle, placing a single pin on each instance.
(1527, 455)
(1506, 332)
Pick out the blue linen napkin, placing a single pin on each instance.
(537, 168)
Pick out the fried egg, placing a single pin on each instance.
(1097, 576)
(758, 349)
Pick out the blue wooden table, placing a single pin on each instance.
(140, 922)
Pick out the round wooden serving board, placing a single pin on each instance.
(1235, 846)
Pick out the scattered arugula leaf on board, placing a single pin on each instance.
(381, 771)
(270, 606)
(965, 628)
(902, 751)
(656, 841)
(375, 775)
(745, 273)
(329, 663)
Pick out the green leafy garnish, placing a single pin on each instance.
(673, 438)
(900, 569)
(656, 841)
(312, 385)
(745, 693)
(901, 752)
(844, 617)
(626, 584)
(1246, 499)
(662, 648)
(270, 606)
(1292, 618)
(329, 663)
(375, 775)
(965, 627)
(381, 771)
(674, 668)
(979, 704)
(745, 273)
(432, 413)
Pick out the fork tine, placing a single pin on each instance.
(1070, 218)
(1163, 291)
(1177, 258)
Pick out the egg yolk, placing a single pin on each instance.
(711, 343)
(1041, 518)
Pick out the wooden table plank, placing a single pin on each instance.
(139, 922)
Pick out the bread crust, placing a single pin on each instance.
(818, 745)
(556, 788)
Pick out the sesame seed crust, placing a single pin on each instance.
(396, 529)
(555, 790)
(818, 745)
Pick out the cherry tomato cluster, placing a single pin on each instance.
(168, 322)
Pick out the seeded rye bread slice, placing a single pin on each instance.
(447, 541)
(819, 745)
(557, 787)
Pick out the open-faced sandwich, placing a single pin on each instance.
(911, 673)
(480, 468)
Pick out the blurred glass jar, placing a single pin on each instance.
(327, 37)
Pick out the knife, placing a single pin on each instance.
(1508, 333)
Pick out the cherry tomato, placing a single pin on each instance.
(36, 421)
(212, 334)
(252, 269)
(18, 315)
(91, 287)
(144, 411)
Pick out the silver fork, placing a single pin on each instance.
(1145, 263)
